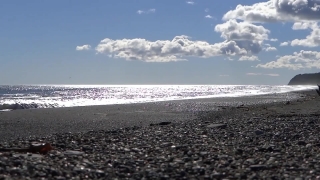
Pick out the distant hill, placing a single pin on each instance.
(305, 79)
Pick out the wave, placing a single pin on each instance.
(16, 106)
(39, 97)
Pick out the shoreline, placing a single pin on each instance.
(46, 121)
(20, 106)
(245, 141)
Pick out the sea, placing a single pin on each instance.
(54, 96)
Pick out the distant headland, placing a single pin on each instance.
(305, 79)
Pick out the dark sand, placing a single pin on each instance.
(258, 137)
(43, 122)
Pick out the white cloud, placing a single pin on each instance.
(146, 11)
(304, 25)
(209, 16)
(270, 49)
(190, 2)
(246, 35)
(284, 43)
(273, 39)
(277, 11)
(240, 39)
(83, 47)
(271, 74)
(248, 58)
(312, 40)
(177, 49)
(304, 13)
(299, 60)
(260, 74)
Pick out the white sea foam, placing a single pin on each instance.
(48, 96)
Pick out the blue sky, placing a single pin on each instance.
(158, 42)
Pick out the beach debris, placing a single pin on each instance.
(217, 126)
(161, 123)
(35, 147)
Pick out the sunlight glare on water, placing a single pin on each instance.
(46, 96)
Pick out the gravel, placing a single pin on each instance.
(278, 141)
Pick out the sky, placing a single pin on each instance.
(158, 41)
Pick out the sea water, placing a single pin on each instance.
(51, 96)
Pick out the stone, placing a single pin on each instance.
(217, 126)
(258, 132)
(258, 167)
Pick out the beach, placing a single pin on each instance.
(268, 136)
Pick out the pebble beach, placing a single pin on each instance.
(262, 137)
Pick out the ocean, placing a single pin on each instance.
(53, 96)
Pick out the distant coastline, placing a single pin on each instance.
(305, 79)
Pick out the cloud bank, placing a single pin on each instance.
(277, 11)
(243, 37)
(299, 60)
(304, 14)
(240, 39)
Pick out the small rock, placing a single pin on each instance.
(203, 153)
(302, 143)
(217, 126)
(258, 132)
(258, 167)
(73, 152)
(238, 151)
(161, 123)
(309, 145)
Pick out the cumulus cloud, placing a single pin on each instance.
(240, 39)
(304, 13)
(312, 40)
(284, 43)
(177, 49)
(146, 11)
(248, 58)
(209, 16)
(246, 35)
(277, 11)
(304, 25)
(83, 47)
(270, 49)
(299, 60)
(261, 74)
(273, 39)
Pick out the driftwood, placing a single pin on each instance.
(42, 148)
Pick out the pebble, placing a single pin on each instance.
(233, 146)
(217, 126)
